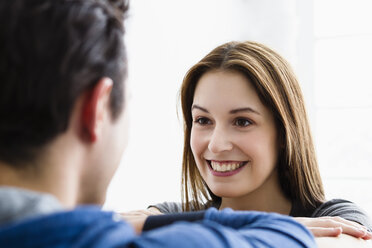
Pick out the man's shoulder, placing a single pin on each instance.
(81, 226)
(19, 204)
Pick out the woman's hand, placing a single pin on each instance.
(333, 226)
(137, 218)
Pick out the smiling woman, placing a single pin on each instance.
(250, 75)
(248, 144)
(234, 143)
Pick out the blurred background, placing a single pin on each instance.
(329, 45)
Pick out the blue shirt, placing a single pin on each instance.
(91, 227)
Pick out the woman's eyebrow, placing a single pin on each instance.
(194, 106)
(246, 109)
(234, 111)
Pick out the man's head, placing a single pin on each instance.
(51, 52)
(62, 65)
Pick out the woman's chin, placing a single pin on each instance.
(226, 193)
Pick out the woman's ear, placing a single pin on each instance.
(96, 105)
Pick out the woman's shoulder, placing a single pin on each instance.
(336, 207)
(345, 209)
(176, 207)
(168, 207)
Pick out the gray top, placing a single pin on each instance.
(336, 207)
(18, 204)
(169, 207)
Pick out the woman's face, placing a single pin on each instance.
(233, 135)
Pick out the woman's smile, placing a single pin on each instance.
(225, 168)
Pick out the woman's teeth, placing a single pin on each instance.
(226, 166)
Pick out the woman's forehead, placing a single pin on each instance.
(226, 90)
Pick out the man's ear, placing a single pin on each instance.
(95, 106)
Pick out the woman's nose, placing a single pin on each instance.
(220, 141)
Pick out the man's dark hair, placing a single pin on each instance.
(50, 52)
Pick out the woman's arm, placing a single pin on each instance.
(339, 216)
(138, 218)
(334, 226)
(345, 209)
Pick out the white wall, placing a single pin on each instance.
(343, 97)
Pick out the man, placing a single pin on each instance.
(63, 130)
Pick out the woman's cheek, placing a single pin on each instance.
(193, 142)
(197, 143)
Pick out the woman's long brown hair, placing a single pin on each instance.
(278, 89)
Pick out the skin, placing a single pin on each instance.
(106, 153)
(231, 125)
(86, 155)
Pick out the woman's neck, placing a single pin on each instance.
(269, 197)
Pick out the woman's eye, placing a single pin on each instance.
(242, 122)
(202, 121)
